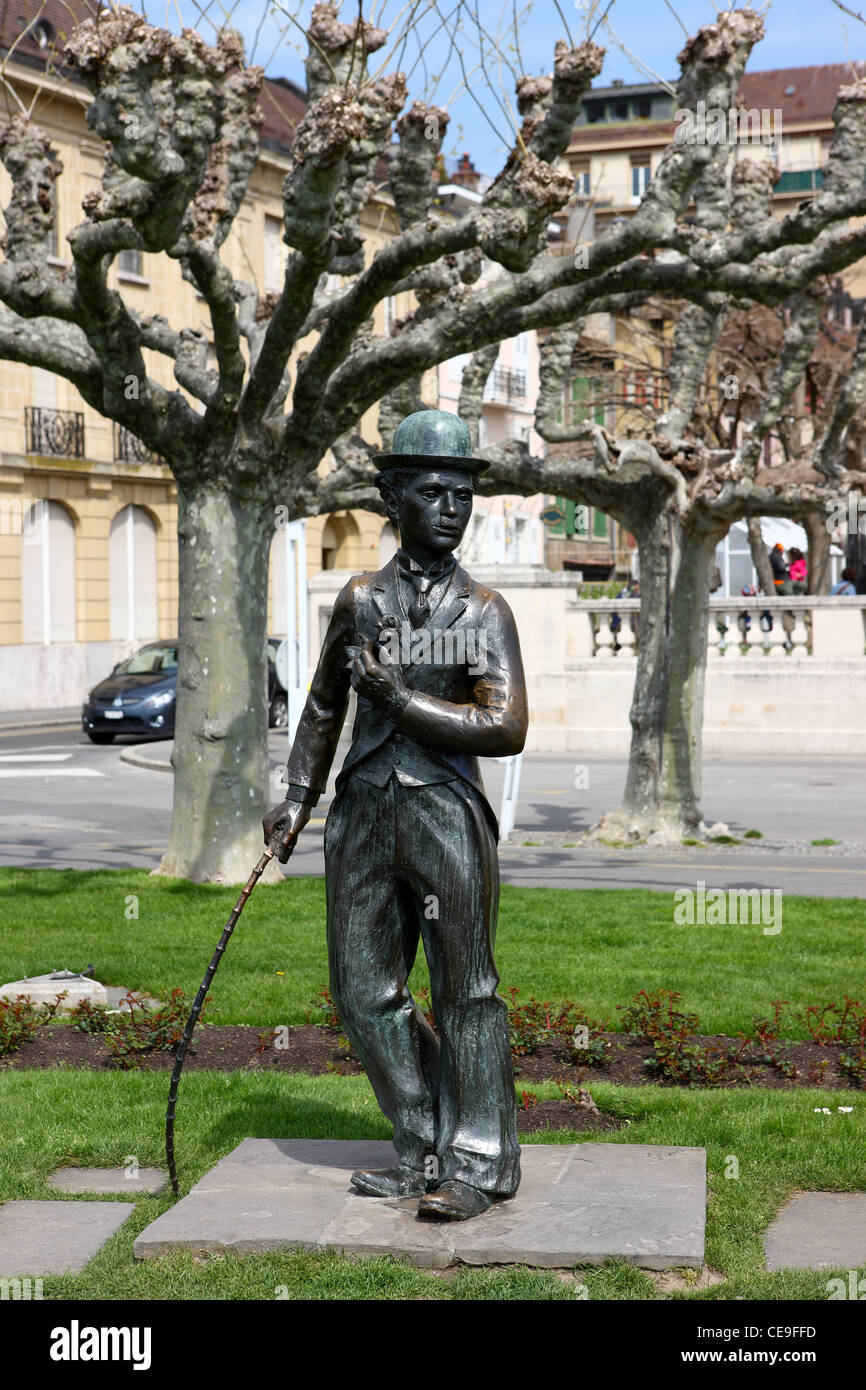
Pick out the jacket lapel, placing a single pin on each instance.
(385, 595)
(455, 600)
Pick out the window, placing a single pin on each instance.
(640, 180)
(48, 574)
(54, 237)
(132, 576)
(520, 350)
(599, 524)
(584, 398)
(576, 518)
(642, 107)
(130, 261)
(456, 365)
(275, 255)
(581, 182)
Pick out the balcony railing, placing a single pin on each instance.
(54, 431)
(505, 384)
(128, 448)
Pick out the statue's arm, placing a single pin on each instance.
(495, 724)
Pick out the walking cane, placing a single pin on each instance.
(196, 1009)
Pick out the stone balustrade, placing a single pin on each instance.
(805, 699)
(789, 626)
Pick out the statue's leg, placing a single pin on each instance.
(445, 837)
(371, 949)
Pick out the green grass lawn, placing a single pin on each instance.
(596, 947)
(93, 1118)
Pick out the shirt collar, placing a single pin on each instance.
(437, 570)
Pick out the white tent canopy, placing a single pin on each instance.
(734, 556)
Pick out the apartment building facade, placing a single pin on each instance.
(88, 517)
(784, 115)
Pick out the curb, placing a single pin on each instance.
(130, 756)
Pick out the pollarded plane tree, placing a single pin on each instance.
(675, 485)
(296, 370)
(747, 356)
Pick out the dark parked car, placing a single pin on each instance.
(139, 695)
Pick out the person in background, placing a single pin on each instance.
(846, 583)
(797, 570)
(781, 577)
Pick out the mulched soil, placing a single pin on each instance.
(564, 1114)
(316, 1050)
(808, 1063)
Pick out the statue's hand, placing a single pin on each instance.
(381, 684)
(291, 816)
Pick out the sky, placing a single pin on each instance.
(798, 33)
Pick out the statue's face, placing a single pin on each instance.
(435, 510)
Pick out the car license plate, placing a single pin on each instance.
(113, 713)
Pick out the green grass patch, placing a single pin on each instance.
(65, 1117)
(598, 947)
(825, 842)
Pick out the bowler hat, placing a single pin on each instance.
(432, 439)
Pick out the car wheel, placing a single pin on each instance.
(101, 738)
(279, 713)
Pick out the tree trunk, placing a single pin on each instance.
(220, 754)
(818, 558)
(760, 556)
(662, 800)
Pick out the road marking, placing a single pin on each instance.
(34, 757)
(32, 732)
(49, 773)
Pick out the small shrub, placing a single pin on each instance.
(88, 1017)
(19, 1020)
(654, 1017)
(753, 835)
(324, 1002)
(148, 1030)
(854, 1066)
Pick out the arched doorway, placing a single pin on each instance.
(48, 574)
(132, 575)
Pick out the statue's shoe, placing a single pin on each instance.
(454, 1201)
(389, 1182)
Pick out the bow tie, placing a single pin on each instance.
(423, 580)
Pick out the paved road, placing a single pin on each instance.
(66, 803)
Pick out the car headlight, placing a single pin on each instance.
(165, 697)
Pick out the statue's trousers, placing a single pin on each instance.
(404, 862)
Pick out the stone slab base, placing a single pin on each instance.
(577, 1204)
(54, 1237)
(819, 1230)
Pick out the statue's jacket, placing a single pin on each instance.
(466, 676)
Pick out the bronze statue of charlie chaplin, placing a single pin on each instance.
(410, 839)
